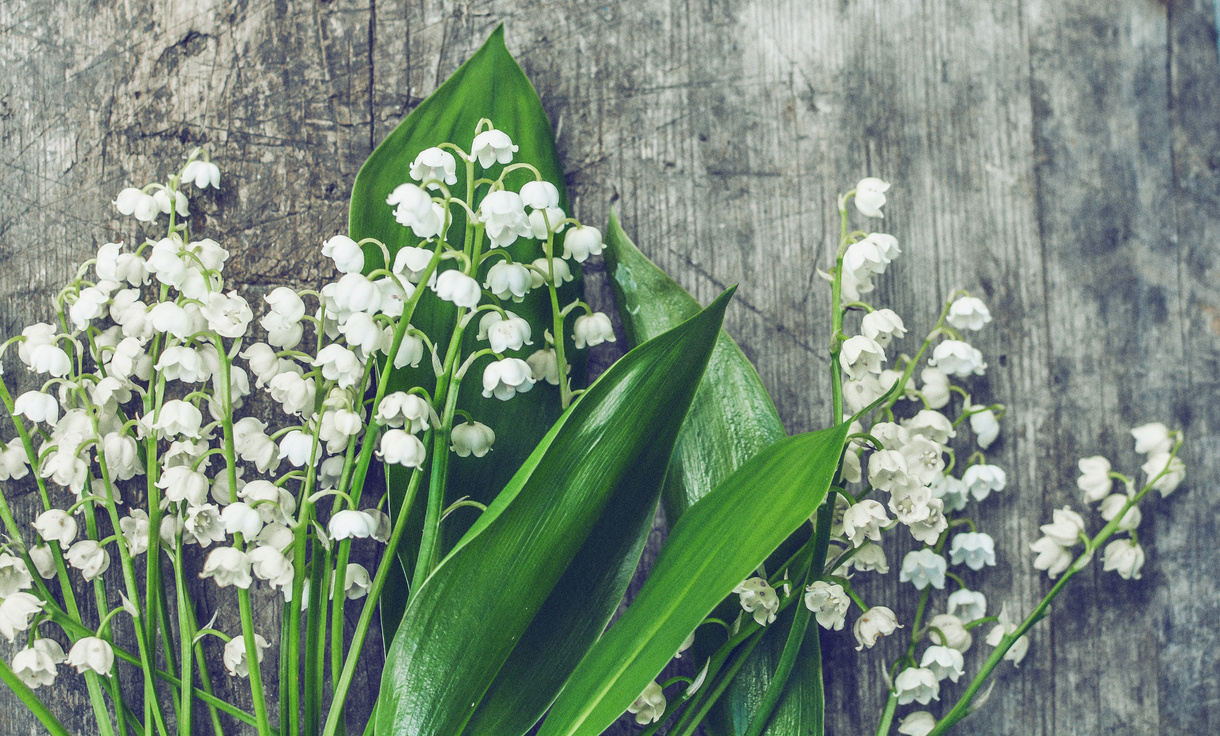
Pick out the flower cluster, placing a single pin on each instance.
(134, 435)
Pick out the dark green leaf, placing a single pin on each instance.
(521, 574)
(731, 420)
(489, 85)
(719, 542)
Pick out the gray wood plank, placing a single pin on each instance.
(1060, 160)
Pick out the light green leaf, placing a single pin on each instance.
(716, 544)
(730, 421)
(532, 571)
(489, 85)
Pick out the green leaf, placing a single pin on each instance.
(730, 421)
(716, 544)
(489, 85)
(530, 584)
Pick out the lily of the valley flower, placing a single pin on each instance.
(916, 684)
(592, 329)
(968, 313)
(975, 549)
(228, 566)
(873, 624)
(943, 662)
(759, 599)
(472, 438)
(1126, 557)
(829, 603)
(922, 568)
(507, 378)
(235, 654)
(860, 356)
(870, 196)
(91, 654)
(649, 706)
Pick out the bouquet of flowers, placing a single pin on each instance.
(501, 517)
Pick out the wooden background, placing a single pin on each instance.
(1058, 157)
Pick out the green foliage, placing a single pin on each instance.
(718, 542)
(730, 421)
(493, 633)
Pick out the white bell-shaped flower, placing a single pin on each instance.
(399, 447)
(1052, 556)
(339, 364)
(132, 201)
(944, 662)
(356, 582)
(235, 654)
(178, 418)
(870, 196)
(89, 557)
(873, 624)
(968, 313)
(922, 568)
(203, 525)
(37, 407)
(351, 524)
(918, 723)
(503, 215)
(948, 630)
(508, 281)
(506, 378)
(287, 303)
(547, 221)
(974, 549)
(969, 605)
(1111, 506)
(241, 518)
(35, 666)
(400, 409)
(759, 599)
(581, 242)
(434, 163)
(472, 438)
(56, 525)
(981, 480)
(882, 326)
(649, 707)
(864, 521)
(1173, 468)
(347, 255)
(1126, 557)
(202, 174)
(271, 565)
(1152, 438)
(540, 195)
(860, 356)
(829, 604)
(1094, 480)
(168, 201)
(957, 358)
(455, 286)
(491, 147)
(411, 262)
(135, 529)
(543, 268)
(91, 654)
(228, 566)
(181, 483)
(14, 575)
(592, 329)
(413, 208)
(504, 332)
(917, 684)
(544, 365)
(1066, 527)
(50, 359)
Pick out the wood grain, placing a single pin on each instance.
(1059, 159)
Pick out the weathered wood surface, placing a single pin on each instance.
(1059, 158)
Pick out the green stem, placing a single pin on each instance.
(961, 708)
(695, 715)
(388, 560)
(887, 715)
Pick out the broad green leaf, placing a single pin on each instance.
(489, 85)
(716, 544)
(520, 576)
(730, 421)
